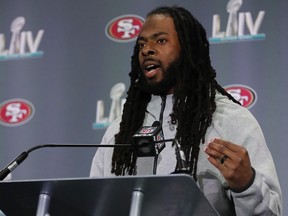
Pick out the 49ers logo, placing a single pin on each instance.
(147, 130)
(124, 28)
(244, 94)
(15, 112)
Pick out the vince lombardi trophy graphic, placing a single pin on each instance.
(116, 107)
(15, 28)
(232, 25)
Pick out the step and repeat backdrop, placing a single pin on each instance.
(64, 73)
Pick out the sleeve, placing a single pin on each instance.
(264, 196)
(99, 161)
(97, 166)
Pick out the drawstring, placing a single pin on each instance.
(163, 104)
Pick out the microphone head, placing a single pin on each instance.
(144, 139)
(156, 124)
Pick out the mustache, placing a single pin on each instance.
(151, 59)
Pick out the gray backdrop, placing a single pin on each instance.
(63, 62)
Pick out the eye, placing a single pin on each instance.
(162, 41)
(141, 45)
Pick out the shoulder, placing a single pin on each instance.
(110, 132)
(234, 121)
(227, 110)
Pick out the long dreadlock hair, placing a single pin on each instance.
(194, 94)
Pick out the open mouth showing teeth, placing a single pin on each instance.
(151, 67)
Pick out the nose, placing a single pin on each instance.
(148, 50)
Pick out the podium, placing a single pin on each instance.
(171, 195)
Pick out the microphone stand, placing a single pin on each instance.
(18, 160)
(157, 154)
(182, 167)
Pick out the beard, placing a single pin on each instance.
(166, 84)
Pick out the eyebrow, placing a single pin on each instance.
(153, 36)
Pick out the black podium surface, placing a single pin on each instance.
(157, 195)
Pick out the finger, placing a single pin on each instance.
(218, 158)
(222, 167)
(218, 148)
(218, 151)
(229, 145)
(223, 159)
(236, 153)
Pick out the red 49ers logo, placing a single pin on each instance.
(124, 28)
(147, 130)
(15, 112)
(244, 94)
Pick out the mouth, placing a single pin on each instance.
(150, 69)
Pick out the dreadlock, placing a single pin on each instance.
(194, 94)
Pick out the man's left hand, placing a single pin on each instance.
(232, 161)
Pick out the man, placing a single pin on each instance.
(173, 82)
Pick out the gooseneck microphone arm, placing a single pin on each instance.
(17, 161)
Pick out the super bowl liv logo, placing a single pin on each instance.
(116, 108)
(22, 43)
(236, 25)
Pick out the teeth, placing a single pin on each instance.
(150, 67)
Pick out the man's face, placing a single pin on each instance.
(159, 48)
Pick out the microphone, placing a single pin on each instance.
(15, 163)
(18, 160)
(149, 140)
